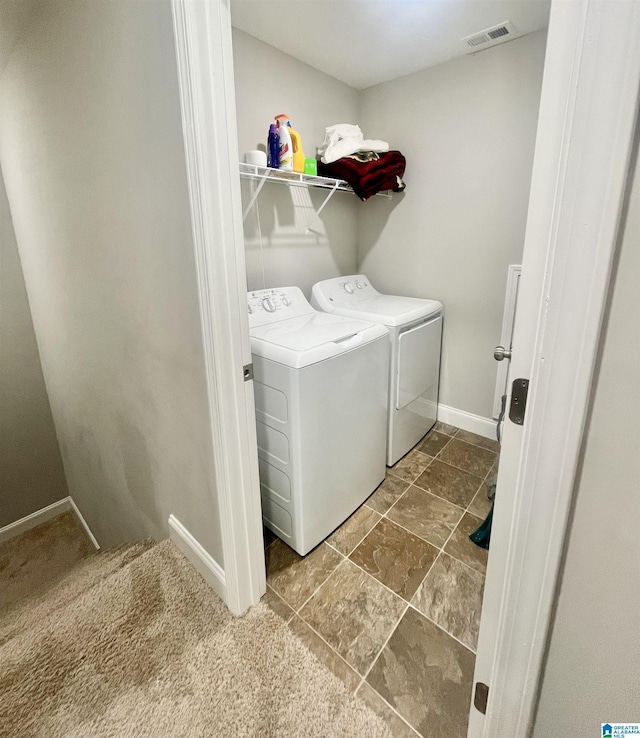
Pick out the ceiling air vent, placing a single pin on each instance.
(490, 37)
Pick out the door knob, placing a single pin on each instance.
(500, 353)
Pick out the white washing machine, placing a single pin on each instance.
(415, 330)
(321, 385)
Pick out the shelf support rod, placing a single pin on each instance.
(327, 198)
(321, 208)
(254, 197)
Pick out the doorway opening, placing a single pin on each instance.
(401, 568)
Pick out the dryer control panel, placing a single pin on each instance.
(343, 291)
(278, 303)
(354, 297)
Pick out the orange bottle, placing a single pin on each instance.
(296, 143)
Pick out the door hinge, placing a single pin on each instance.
(247, 371)
(480, 697)
(518, 406)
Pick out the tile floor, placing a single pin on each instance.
(390, 602)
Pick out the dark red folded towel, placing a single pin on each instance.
(369, 177)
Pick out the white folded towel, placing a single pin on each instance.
(345, 139)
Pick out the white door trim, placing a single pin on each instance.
(205, 74)
(585, 136)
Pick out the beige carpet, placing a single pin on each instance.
(134, 643)
(41, 556)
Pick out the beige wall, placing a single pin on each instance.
(15, 16)
(593, 672)
(30, 464)
(92, 152)
(269, 82)
(467, 129)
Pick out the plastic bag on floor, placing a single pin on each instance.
(482, 536)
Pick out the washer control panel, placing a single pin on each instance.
(278, 303)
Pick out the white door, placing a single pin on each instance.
(586, 124)
(506, 337)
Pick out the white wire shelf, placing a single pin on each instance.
(293, 179)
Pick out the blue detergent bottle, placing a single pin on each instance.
(273, 147)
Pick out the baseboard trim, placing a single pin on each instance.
(203, 562)
(468, 421)
(83, 523)
(39, 517)
(34, 519)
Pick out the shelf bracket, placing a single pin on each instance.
(326, 200)
(254, 197)
(296, 179)
(328, 197)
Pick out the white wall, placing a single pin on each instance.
(593, 672)
(269, 82)
(92, 152)
(467, 129)
(30, 463)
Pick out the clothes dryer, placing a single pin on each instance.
(415, 336)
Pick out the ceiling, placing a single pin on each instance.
(365, 42)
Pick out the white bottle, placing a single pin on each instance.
(286, 145)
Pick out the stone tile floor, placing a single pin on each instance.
(391, 601)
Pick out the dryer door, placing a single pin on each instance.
(418, 361)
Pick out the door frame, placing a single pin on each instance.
(584, 141)
(588, 56)
(202, 33)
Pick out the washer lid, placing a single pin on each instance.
(306, 337)
(354, 297)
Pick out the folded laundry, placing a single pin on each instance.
(345, 139)
(368, 177)
(365, 156)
